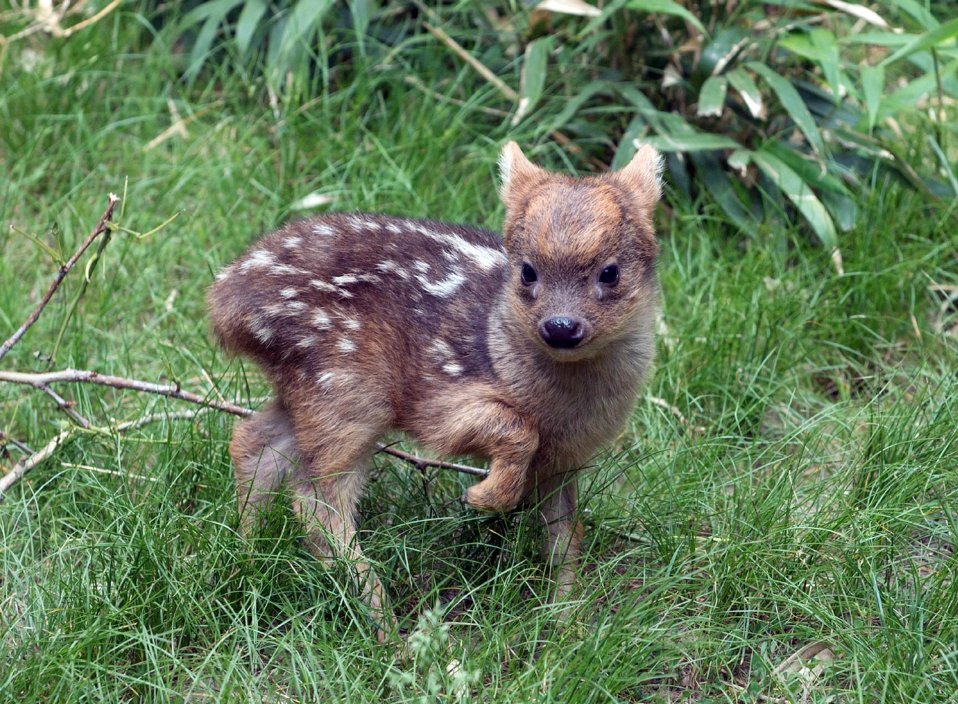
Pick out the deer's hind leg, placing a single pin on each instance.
(336, 436)
(264, 453)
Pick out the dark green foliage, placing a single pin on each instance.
(773, 110)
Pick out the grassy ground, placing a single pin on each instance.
(810, 499)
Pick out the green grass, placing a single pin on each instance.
(811, 497)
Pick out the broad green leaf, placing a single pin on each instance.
(843, 209)
(201, 47)
(878, 38)
(739, 160)
(218, 9)
(750, 93)
(801, 44)
(811, 171)
(302, 20)
(212, 14)
(792, 102)
(933, 37)
(802, 196)
(873, 82)
(533, 76)
(712, 96)
(718, 53)
(918, 11)
(666, 7)
(691, 142)
(708, 167)
(253, 11)
(826, 49)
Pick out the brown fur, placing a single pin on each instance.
(367, 323)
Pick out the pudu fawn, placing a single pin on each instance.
(528, 351)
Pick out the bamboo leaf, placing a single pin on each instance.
(696, 142)
(792, 102)
(302, 20)
(750, 93)
(873, 82)
(712, 96)
(247, 23)
(533, 76)
(802, 196)
(720, 187)
(926, 40)
(825, 46)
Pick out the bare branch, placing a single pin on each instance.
(26, 464)
(420, 462)
(100, 228)
(92, 377)
(65, 406)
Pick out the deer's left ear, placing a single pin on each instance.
(642, 177)
(516, 173)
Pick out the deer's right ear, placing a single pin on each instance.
(516, 173)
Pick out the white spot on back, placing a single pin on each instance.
(393, 228)
(292, 242)
(289, 292)
(323, 230)
(325, 378)
(307, 341)
(486, 258)
(322, 285)
(440, 349)
(444, 287)
(345, 345)
(280, 269)
(420, 266)
(452, 368)
(259, 259)
(321, 319)
(351, 324)
(345, 279)
(389, 266)
(224, 274)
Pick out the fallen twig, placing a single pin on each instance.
(92, 377)
(100, 228)
(26, 464)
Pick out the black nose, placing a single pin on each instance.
(562, 332)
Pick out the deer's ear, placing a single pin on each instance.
(516, 173)
(642, 177)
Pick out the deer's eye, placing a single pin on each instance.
(610, 275)
(528, 274)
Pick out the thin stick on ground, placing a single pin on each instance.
(100, 228)
(21, 468)
(18, 470)
(89, 376)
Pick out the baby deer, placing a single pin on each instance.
(528, 351)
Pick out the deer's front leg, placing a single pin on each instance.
(563, 530)
(474, 421)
